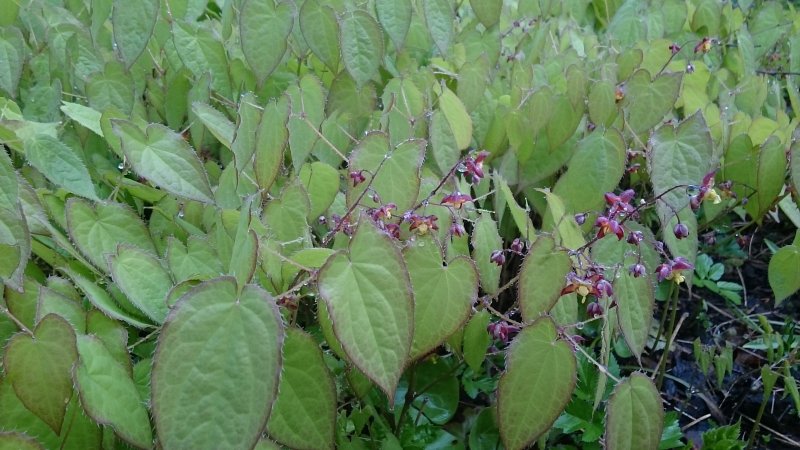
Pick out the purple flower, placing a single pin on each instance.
(637, 270)
(498, 257)
(681, 230)
(594, 310)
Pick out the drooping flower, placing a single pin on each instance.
(680, 230)
(498, 257)
(357, 176)
(456, 199)
(605, 226)
(673, 270)
(423, 224)
(456, 229)
(594, 309)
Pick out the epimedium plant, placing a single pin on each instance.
(411, 224)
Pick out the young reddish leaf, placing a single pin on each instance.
(444, 294)
(542, 277)
(229, 348)
(39, 367)
(537, 385)
(304, 413)
(368, 294)
(635, 415)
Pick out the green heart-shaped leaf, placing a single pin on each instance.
(537, 385)
(395, 17)
(368, 295)
(226, 347)
(97, 229)
(647, 102)
(39, 367)
(361, 41)
(60, 164)
(443, 294)
(485, 240)
(635, 415)
(264, 27)
(321, 32)
(304, 413)
(133, 24)
(165, 158)
(142, 279)
(108, 394)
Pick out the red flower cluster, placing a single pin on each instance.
(473, 166)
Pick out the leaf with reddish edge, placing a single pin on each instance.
(635, 415)
(369, 298)
(537, 385)
(38, 368)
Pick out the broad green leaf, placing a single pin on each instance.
(783, 269)
(112, 334)
(16, 417)
(60, 164)
(757, 172)
(244, 253)
(229, 348)
(216, 122)
(18, 441)
(15, 236)
(680, 156)
(457, 116)
(304, 413)
(163, 157)
(444, 293)
(108, 394)
(361, 41)
(84, 115)
(477, 340)
(39, 368)
(321, 32)
(9, 14)
(537, 385)
(486, 240)
(307, 102)
(636, 301)
(635, 415)
(368, 295)
(396, 171)
(97, 229)
(321, 182)
(542, 277)
(794, 168)
(647, 102)
(196, 260)
(568, 233)
(596, 168)
(264, 28)
(101, 300)
(326, 326)
(440, 19)
(487, 11)
(395, 18)
(563, 121)
(202, 52)
(271, 140)
(142, 279)
(133, 24)
(438, 402)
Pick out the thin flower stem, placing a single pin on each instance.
(599, 366)
(662, 364)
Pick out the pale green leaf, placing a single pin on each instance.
(216, 122)
(271, 141)
(321, 32)
(133, 24)
(229, 348)
(647, 102)
(444, 293)
(361, 41)
(458, 118)
(108, 394)
(84, 115)
(635, 415)
(485, 240)
(101, 300)
(488, 11)
(60, 164)
(440, 19)
(97, 229)
(321, 182)
(165, 158)
(264, 28)
(783, 269)
(142, 279)
(477, 340)
(395, 18)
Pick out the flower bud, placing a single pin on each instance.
(594, 310)
(681, 230)
(637, 270)
(498, 257)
